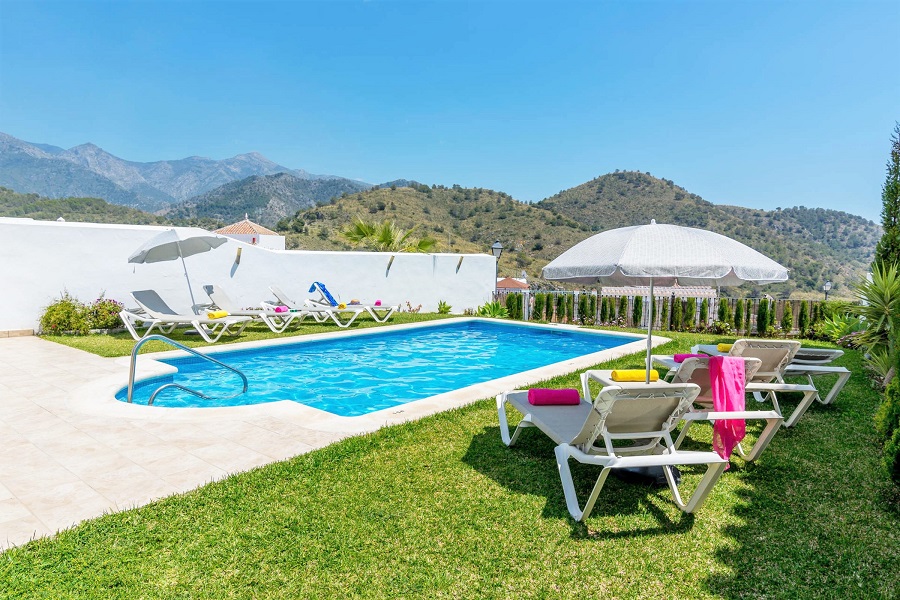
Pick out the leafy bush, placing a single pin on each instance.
(838, 326)
(65, 315)
(721, 328)
(444, 308)
(104, 313)
(887, 424)
(495, 310)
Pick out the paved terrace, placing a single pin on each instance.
(70, 451)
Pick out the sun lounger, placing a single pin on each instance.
(588, 433)
(275, 320)
(696, 370)
(165, 319)
(319, 311)
(378, 312)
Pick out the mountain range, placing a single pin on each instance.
(90, 171)
(815, 244)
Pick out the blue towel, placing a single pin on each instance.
(324, 291)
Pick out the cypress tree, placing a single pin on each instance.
(570, 306)
(771, 313)
(690, 314)
(677, 314)
(787, 319)
(748, 315)
(762, 317)
(704, 312)
(888, 249)
(623, 309)
(593, 305)
(665, 315)
(637, 311)
(538, 307)
(803, 317)
(739, 315)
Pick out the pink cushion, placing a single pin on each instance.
(543, 396)
(281, 309)
(680, 358)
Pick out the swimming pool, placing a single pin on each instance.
(355, 375)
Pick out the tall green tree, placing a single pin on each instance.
(888, 249)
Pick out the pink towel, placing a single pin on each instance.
(543, 396)
(281, 309)
(680, 358)
(726, 374)
(378, 303)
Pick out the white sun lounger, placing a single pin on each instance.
(165, 319)
(588, 433)
(274, 320)
(320, 312)
(378, 312)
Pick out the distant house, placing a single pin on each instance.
(251, 233)
(509, 284)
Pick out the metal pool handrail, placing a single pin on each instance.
(162, 338)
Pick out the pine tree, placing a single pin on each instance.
(888, 249)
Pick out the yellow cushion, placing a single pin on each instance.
(216, 314)
(723, 347)
(342, 306)
(634, 375)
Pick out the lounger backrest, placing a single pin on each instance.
(220, 298)
(696, 370)
(774, 354)
(282, 297)
(320, 287)
(153, 304)
(651, 409)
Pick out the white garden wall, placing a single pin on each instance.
(40, 259)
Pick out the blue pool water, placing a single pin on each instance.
(356, 375)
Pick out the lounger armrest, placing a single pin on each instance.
(712, 415)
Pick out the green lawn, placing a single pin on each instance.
(440, 508)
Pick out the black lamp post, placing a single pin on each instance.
(827, 288)
(496, 251)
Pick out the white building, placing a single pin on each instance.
(256, 235)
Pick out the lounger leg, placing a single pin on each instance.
(713, 472)
(808, 398)
(563, 453)
(683, 434)
(508, 439)
(772, 426)
(843, 378)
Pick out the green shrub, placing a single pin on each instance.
(622, 313)
(570, 306)
(444, 308)
(104, 314)
(513, 304)
(887, 418)
(748, 316)
(704, 313)
(637, 311)
(65, 315)
(560, 308)
(891, 456)
(664, 319)
(721, 328)
(494, 310)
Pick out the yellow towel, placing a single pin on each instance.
(342, 306)
(723, 347)
(634, 375)
(217, 314)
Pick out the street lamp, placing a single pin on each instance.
(497, 250)
(827, 288)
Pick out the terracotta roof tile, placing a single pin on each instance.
(246, 227)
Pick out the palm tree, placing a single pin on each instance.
(386, 237)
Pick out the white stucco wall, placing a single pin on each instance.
(40, 259)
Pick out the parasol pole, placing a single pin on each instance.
(649, 328)
(188, 279)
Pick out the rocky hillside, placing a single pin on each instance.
(265, 198)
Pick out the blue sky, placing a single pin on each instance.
(760, 104)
